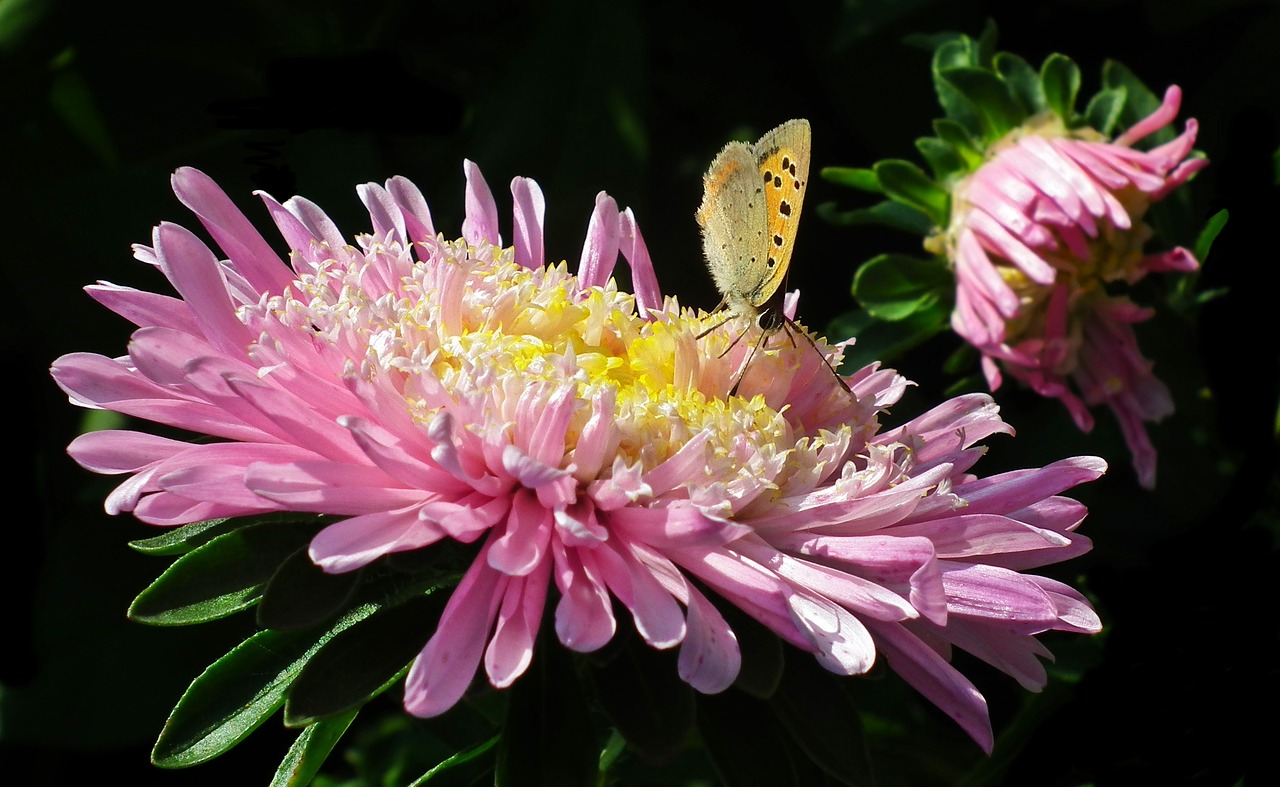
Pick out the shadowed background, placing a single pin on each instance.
(99, 103)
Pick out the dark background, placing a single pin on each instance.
(100, 102)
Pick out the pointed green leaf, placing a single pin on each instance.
(221, 577)
(984, 47)
(1023, 82)
(1104, 110)
(310, 749)
(998, 112)
(1209, 234)
(238, 692)
(812, 705)
(363, 661)
(182, 540)
(548, 736)
(943, 159)
(1060, 77)
(894, 286)
(854, 178)
(301, 594)
(464, 757)
(906, 183)
(887, 213)
(642, 695)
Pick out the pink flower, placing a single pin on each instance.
(1037, 232)
(582, 439)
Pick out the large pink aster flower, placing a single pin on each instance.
(1037, 233)
(581, 439)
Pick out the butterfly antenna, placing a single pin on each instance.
(742, 370)
(793, 328)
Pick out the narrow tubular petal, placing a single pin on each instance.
(417, 216)
(510, 650)
(709, 656)
(360, 540)
(530, 209)
(117, 451)
(197, 276)
(481, 223)
(643, 278)
(145, 309)
(253, 257)
(600, 249)
(522, 547)
(443, 670)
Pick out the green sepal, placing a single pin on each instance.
(310, 749)
(1023, 82)
(906, 183)
(221, 577)
(883, 341)
(943, 159)
(854, 178)
(954, 51)
(959, 138)
(958, 107)
(1060, 78)
(238, 692)
(887, 213)
(814, 708)
(363, 661)
(998, 111)
(1140, 101)
(641, 693)
(182, 540)
(1104, 110)
(301, 594)
(895, 286)
(548, 736)
(1204, 243)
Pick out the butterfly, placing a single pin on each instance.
(750, 212)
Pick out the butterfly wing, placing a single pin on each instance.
(782, 164)
(734, 221)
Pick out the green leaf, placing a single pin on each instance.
(1209, 234)
(1103, 112)
(363, 661)
(310, 749)
(182, 540)
(548, 736)
(854, 178)
(812, 705)
(943, 159)
(301, 594)
(221, 577)
(998, 112)
(461, 758)
(642, 695)
(887, 213)
(984, 47)
(237, 693)
(1060, 77)
(1023, 82)
(894, 286)
(906, 183)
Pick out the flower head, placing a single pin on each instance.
(1037, 234)
(580, 439)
